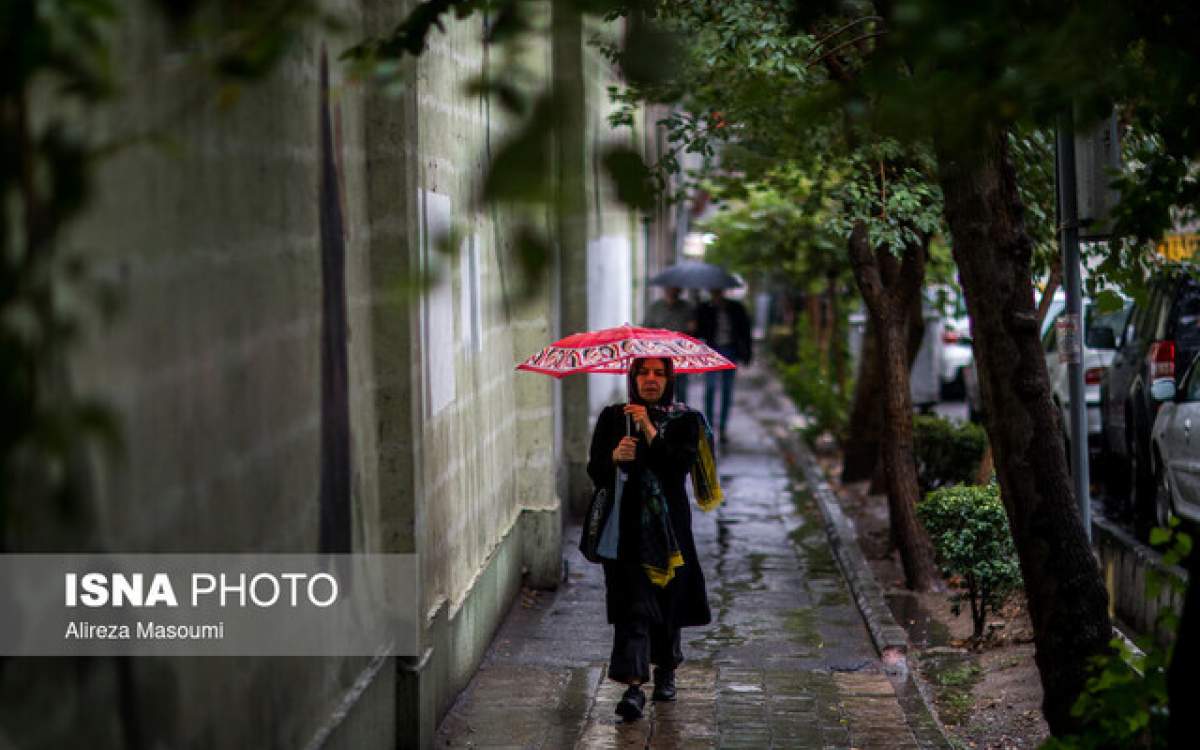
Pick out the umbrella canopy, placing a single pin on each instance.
(612, 349)
(695, 275)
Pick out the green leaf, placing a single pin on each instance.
(1108, 301)
(631, 178)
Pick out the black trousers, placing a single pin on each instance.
(637, 645)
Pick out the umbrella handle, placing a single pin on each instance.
(628, 425)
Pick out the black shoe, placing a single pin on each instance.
(632, 703)
(664, 684)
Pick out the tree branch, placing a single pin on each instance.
(840, 29)
(843, 45)
(912, 270)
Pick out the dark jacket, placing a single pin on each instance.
(706, 327)
(629, 593)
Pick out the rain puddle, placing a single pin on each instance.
(802, 627)
(923, 630)
(719, 637)
(951, 672)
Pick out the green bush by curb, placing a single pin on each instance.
(970, 534)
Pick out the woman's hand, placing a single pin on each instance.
(642, 419)
(625, 450)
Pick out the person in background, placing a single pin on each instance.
(674, 313)
(724, 325)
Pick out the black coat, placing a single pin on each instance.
(628, 591)
(706, 327)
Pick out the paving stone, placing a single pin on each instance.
(786, 662)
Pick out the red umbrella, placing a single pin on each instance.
(612, 349)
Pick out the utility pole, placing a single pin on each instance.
(1070, 328)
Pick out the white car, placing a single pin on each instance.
(957, 355)
(1100, 334)
(1101, 331)
(1175, 448)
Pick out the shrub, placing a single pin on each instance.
(947, 452)
(813, 389)
(971, 538)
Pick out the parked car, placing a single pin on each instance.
(925, 376)
(957, 354)
(1100, 332)
(1159, 340)
(972, 395)
(1175, 452)
(1099, 346)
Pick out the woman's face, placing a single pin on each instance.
(651, 379)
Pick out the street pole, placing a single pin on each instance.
(1068, 216)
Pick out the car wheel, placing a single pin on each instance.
(1116, 485)
(1143, 496)
(1163, 504)
(954, 390)
(973, 414)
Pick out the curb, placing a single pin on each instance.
(889, 638)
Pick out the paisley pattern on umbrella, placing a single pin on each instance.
(612, 349)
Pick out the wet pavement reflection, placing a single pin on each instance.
(786, 662)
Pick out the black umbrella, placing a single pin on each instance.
(695, 275)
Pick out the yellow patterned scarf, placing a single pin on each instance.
(706, 483)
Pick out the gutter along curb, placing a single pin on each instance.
(888, 637)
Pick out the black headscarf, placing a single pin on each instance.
(668, 394)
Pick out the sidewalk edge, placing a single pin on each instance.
(889, 638)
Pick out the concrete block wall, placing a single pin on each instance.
(278, 392)
(474, 475)
(616, 256)
(213, 365)
(241, 373)
(1128, 568)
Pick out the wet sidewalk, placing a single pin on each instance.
(787, 661)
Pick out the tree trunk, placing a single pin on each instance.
(886, 285)
(860, 455)
(812, 311)
(826, 330)
(861, 450)
(1066, 596)
(916, 332)
(837, 344)
(986, 464)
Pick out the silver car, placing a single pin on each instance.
(1175, 447)
(1101, 331)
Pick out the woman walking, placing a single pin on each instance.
(655, 586)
